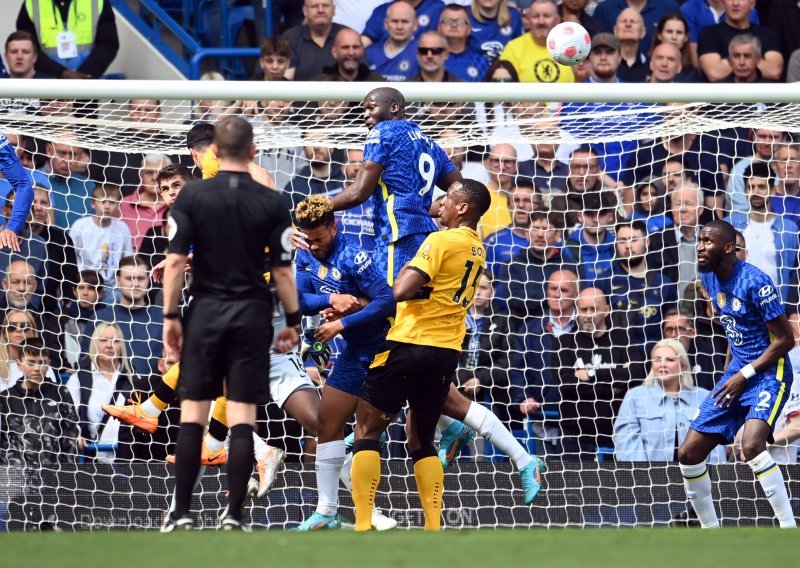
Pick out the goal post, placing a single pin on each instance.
(76, 136)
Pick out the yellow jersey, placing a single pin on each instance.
(497, 217)
(452, 262)
(533, 62)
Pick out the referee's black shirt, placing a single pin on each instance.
(227, 222)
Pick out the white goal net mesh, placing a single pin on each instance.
(565, 177)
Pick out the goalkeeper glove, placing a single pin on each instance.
(319, 352)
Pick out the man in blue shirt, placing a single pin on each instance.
(591, 246)
(70, 188)
(427, 15)
(757, 380)
(396, 58)
(502, 245)
(341, 280)
(466, 61)
(651, 10)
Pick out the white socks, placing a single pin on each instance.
(344, 473)
(260, 447)
(485, 423)
(212, 443)
(330, 458)
(771, 479)
(697, 483)
(444, 422)
(150, 409)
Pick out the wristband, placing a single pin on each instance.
(294, 319)
(172, 315)
(748, 371)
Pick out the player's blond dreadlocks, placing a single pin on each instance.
(314, 211)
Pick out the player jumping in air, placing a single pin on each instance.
(401, 166)
(756, 381)
(332, 276)
(434, 290)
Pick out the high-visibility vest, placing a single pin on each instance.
(82, 20)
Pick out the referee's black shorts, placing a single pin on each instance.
(226, 342)
(419, 374)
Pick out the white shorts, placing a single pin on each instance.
(286, 375)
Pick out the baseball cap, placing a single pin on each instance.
(606, 39)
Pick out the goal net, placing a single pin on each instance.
(566, 178)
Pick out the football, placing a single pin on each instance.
(568, 43)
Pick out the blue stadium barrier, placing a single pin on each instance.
(605, 454)
(195, 64)
(92, 449)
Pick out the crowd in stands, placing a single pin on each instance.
(590, 330)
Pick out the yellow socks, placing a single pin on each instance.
(366, 476)
(430, 484)
(220, 412)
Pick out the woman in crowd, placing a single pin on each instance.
(105, 376)
(674, 29)
(18, 327)
(654, 417)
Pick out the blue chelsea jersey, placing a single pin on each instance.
(491, 38)
(744, 302)
(401, 67)
(412, 164)
(348, 270)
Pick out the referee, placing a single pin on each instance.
(224, 336)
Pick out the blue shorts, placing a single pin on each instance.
(761, 400)
(350, 370)
(391, 257)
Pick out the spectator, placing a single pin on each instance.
(356, 221)
(395, 58)
(700, 14)
(494, 24)
(575, 11)
(697, 154)
(171, 180)
(70, 187)
(319, 176)
(40, 425)
(312, 41)
(79, 310)
(764, 143)
(605, 59)
(504, 244)
(714, 41)
(793, 68)
(464, 60)
(585, 176)
(654, 418)
(102, 240)
(532, 348)
(651, 204)
(282, 161)
(593, 369)
(19, 327)
(348, 54)
(19, 286)
(61, 271)
(104, 377)
(528, 53)
(74, 40)
(677, 251)
(501, 166)
(432, 55)
(483, 367)
(665, 63)
(784, 18)
(276, 56)
(711, 340)
(772, 239)
(591, 246)
(524, 279)
(678, 325)
(144, 209)
(355, 13)
(652, 11)
(786, 200)
(636, 291)
(547, 172)
(744, 57)
(140, 323)
(630, 31)
(673, 28)
(427, 14)
(21, 55)
(32, 248)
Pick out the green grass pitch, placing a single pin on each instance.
(612, 548)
